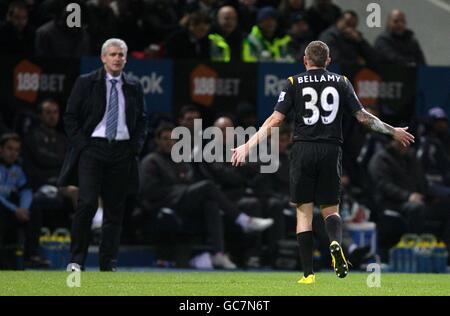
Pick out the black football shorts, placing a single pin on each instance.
(315, 173)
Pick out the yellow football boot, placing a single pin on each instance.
(310, 279)
(340, 264)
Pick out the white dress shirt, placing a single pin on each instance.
(122, 129)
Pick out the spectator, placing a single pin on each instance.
(45, 146)
(247, 11)
(191, 42)
(401, 191)
(300, 35)
(15, 203)
(397, 45)
(434, 152)
(55, 39)
(188, 114)
(346, 43)
(44, 150)
(359, 147)
(167, 184)
(131, 25)
(280, 179)
(289, 8)
(322, 15)
(265, 43)
(236, 184)
(276, 199)
(16, 34)
(159, 21)
(227, 39)
(102, 23)
(209, 7)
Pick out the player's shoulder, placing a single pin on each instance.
(93, 75)
(293, 80)
(339, 78)
(339, 81)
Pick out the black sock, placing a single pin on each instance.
(333, 224)
(305, 244)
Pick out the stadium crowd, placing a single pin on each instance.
(181, 204)
(220, 30)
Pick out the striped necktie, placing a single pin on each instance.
(112, 116)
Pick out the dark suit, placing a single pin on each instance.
(98, 167)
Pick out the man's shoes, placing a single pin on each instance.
(340, 264)
(108, 265)
(108, 269)
(36, 262)
(222, 261)
(310, 279)
(253, 263)
(257, 224)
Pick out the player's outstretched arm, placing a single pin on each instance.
(241, 152)
(377, 125)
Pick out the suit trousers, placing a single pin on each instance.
(103, 170)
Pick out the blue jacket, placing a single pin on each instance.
(14, 181)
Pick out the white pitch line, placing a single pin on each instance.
(441, 4)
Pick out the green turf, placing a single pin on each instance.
(218, 283)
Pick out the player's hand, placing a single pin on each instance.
(401, 135)
(239, 155)
(22, 214)
(353, 34)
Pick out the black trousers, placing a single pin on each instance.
(274, 209)
(13, 233)
(205, 200)
(104, 170)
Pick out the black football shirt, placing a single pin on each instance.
(318, 98)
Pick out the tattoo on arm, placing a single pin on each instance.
(373, 122)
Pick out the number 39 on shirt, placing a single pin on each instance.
(327, 106)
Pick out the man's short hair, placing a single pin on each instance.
(40, 107)
(199, 17)
(186, 109)
(18, 4)
(164, 127)
(9, 136)
(349, 12)
(317, 52)
(114, 42)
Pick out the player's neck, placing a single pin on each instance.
(314, 68)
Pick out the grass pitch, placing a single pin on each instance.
(173, 283)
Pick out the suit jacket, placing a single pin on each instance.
(163, 181)
(44, 151)
(86, 107)
(396, 177)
